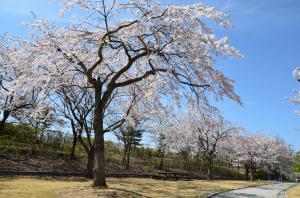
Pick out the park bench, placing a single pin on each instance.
(172, 175)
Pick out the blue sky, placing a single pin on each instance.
(267, 32)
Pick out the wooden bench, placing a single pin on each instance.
(172, 175)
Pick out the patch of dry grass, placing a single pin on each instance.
(15, 187)
(118, 188)
(294, 192)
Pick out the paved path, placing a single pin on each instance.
(277, 190)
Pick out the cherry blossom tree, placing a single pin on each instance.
(40, 117)
(280, 157)
(259, 151)
(179, 135)
(15, 97)
(210, 133)
(136, 48)
(200, 134)
(226, 149)
(250, 152)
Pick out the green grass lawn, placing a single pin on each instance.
(15, 187)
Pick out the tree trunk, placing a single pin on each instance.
(91, 157)
(209, 169)
(161, 164)
(124, 155)
(2, 123)
(74, 142)
(72, 155)
(280, 174)
(90, 164)
(252, 174)
(99, 176)
(128, 159)
(247, 172)
(269, 173)
(36, 131)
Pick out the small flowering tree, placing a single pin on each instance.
(40, 117)
(179, 135)
(199, 134)
(134, 46)
(15, 97)
(249, 151)
(210, 134)
(259, 151)
(282, 157)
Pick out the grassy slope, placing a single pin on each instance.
(129, 187)
(294, 192)
(21, 142)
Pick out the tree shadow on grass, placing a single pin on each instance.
(75, 179)
(91, 192)
(8, 178)
(130, 193)
(47, 178)
(154, 188)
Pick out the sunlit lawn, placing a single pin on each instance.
(24, 187)
(294, 192)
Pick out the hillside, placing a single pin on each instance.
(22, 148)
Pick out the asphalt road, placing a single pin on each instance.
(277, 190)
